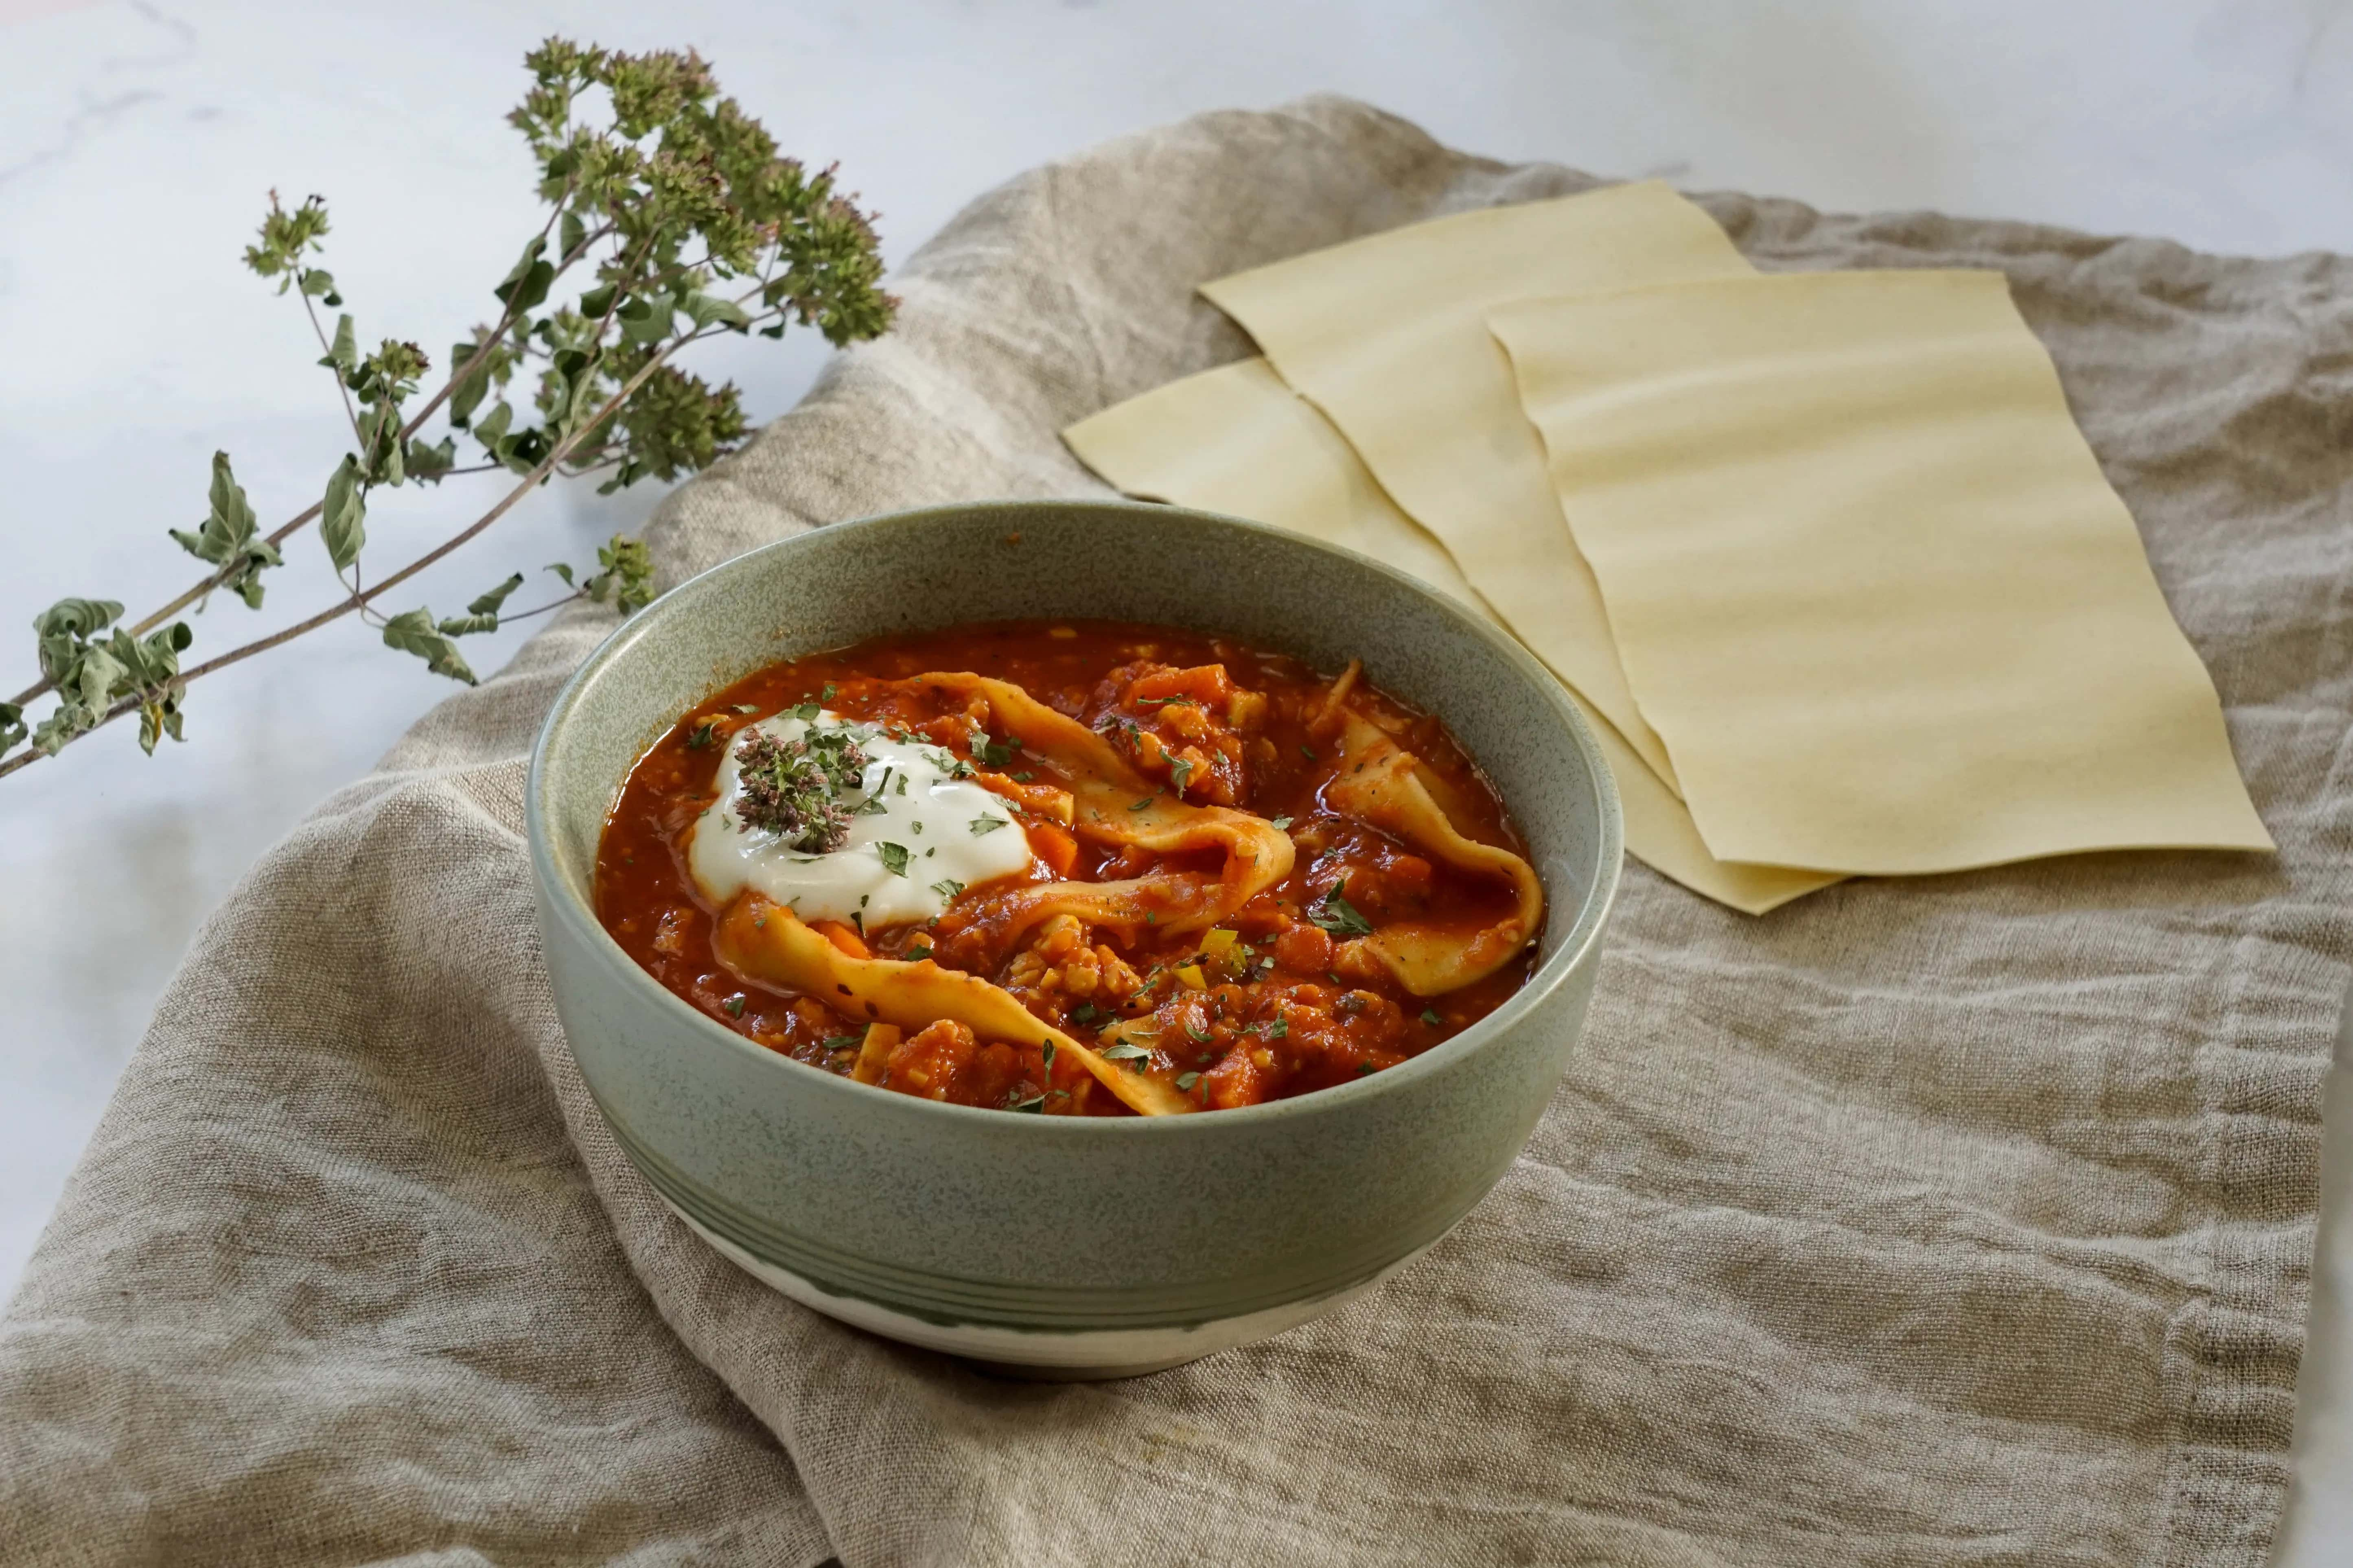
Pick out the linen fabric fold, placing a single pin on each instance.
(1932, 1221)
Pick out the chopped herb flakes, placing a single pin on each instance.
(839, 1043)
(894, 857)
(1280, 823)
(747, 708)
(1429, 1016)
(1024, 777)
(1180, 772)
(1035, 1104)
(949, 888)
(1307, 752)
(1200, 1036)
(1185, 1080)
(735, 1006)
(1049, 1055)
(1126, 1051)
(704, 733)
(1336, 914)
(1278, 1028)
(1084, 1012)
(996, 753)
(1140, 805)
(981, 824)
(873, 805)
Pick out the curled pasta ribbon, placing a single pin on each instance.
(1381, 787)
(1113, 804)
(765, 942)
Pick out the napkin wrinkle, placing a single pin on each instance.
(1965, 1221)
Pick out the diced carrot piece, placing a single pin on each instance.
(1304, 949)
(1054, 847)
(842, 937)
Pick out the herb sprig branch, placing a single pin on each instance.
(676, 220)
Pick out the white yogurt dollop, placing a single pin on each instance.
(955, 835)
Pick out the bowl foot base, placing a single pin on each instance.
(1085, 1355)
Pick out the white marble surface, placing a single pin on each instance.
(137, 141)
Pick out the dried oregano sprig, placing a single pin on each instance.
(673, 210)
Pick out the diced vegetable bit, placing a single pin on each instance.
(1216, 942)
(1191, 977)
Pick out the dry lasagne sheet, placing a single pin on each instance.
(1236, 440)
(1388, 335)
(1867, 581)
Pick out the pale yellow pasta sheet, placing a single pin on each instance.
(1387, 336)
(1866, 578)
(1237, 440)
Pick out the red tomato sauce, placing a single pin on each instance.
(1279, 1008)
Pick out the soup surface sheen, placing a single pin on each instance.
(1070, 867)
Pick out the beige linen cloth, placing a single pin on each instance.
(1953, 1220)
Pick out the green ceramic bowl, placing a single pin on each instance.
(1068, 1246)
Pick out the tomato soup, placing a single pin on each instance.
(1071, 868)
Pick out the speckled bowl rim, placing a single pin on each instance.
(1602, 876)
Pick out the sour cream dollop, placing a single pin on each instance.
(918, 835)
